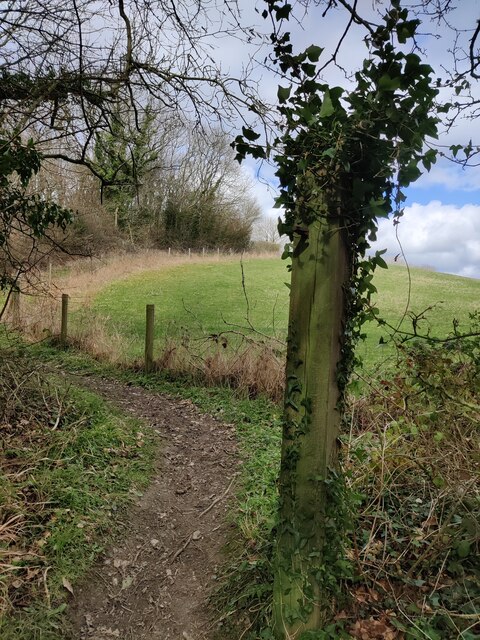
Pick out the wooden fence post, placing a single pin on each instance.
(64, 325)
(189, 253)
(14, 305)
(149, 327)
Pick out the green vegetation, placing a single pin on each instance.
(415, 542)
(69, 464)
(413, 509)
(246, 582)
(203, 298)
(410, 452)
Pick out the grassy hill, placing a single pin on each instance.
(209, 298)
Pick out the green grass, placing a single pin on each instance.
(246, 579)
(67, 484)
(208, 299)
(199, 298)
(403, 497)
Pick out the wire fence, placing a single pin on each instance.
(234, 353)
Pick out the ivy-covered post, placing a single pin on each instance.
(343, 159)
(311, 419)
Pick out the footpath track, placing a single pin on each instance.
(154, 583)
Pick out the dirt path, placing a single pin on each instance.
(154, 585)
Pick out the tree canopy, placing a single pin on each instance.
(71, 77)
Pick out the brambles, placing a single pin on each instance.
(412, 458)
(410, 455)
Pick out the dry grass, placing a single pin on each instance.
(254, 367)
(412, 458)
(22, 563)
(65, 459)
(84, 278)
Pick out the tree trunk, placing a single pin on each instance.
(311, 420)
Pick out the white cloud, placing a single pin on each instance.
(439, 236)
(451, 177)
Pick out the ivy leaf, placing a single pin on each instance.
(429, 158)
(327, 106)
(307, 115)
(249, 134)
(329, 153)
(463, 549)
(309, 69)
(379, 261)
(313, 53)
(406, 30)
(283, 94)
(386, 83)
(409, 174)
(379, 208)
(455, 148)
(283, 12)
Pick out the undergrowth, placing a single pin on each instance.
(410, 454)
(411, 458)
(68, 465)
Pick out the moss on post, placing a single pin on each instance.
(311, 420)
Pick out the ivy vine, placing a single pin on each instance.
(359, 147)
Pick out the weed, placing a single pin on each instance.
(412, 459)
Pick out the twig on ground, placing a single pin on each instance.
(217, 500)
(182, 549)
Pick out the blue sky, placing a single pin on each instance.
(441, 225)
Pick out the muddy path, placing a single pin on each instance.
(155, 582)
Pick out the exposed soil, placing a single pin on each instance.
(155, 583)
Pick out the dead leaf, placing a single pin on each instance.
(126, 582)
(430, 522)
(374, 629)
(66, 583)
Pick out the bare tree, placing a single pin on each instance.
(69, 69)
(207, 199)
(266, 229)
(67, 66)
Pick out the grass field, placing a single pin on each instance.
(412, 468)
(209, 298)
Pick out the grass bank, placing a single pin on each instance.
(410, 454)
(208, 299)
(69, 465)
(223, 321)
